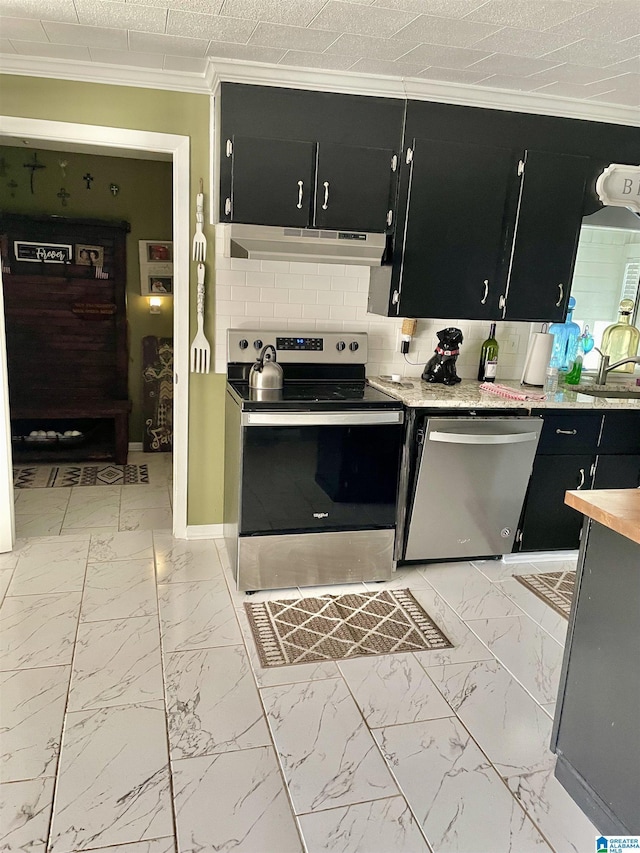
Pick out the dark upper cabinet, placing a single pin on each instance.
(454, 238)
(488, 235)
(303, 184)
(354, 188)
(272, 181)
(545, 236)
(340, 146)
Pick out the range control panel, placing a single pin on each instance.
(245, 345)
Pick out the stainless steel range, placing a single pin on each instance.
(311, 470)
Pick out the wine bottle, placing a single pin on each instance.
(488, 357)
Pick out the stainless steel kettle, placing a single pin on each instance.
(266, 373)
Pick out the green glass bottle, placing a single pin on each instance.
(621, 339)
(488, 357)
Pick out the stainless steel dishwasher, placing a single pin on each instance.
(470, 483)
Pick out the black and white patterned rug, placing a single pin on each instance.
(554, 588)
(65, 476)
(336, 627)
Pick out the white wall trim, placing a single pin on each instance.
(205, 531)
(178, 147)
(135, 447)
(263, 74)
(7, 521)
(540, 557)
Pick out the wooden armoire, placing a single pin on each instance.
(66, 330)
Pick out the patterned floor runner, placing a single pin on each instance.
(554, 588)
(335, 627)
(64, 476)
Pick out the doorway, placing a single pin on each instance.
(135, 143)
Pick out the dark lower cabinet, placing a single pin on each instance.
(453, 243)
(572, 445)
(617, 472)
(547, 524)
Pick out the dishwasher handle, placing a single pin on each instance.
(478, 438)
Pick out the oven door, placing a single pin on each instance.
(316, 472)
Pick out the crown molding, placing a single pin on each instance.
(100, 72)
(240, 71)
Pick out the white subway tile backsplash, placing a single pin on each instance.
(357, 299)
(261, 279)
(308, 297)
(244, 264)
(317, 282)
(315, 312)
(290, 280)
(260, 309)
(330, 297)
(235, 278)
(290, 311)
(275, 266)
(342, 312)
(223, 307)
(275, 294)
(344, 283)
(245, 294)
(304, 269)
(333, 297)
(331, 269)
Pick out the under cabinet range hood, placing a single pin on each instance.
(268, 243)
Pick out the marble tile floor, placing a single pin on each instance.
(135, 715)
(99, 509)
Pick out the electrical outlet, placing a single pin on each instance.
(513, 342)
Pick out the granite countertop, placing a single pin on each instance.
(617, 509)
(415, 393)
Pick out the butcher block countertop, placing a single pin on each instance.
(617, 509)
(415, 393)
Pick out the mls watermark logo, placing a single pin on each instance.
(617, 843)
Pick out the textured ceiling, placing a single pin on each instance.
(584, 50)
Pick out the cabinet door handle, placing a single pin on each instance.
(300, 189)
(560, 298)
(486, 291)
(566, 432)
(326, 195)
(581, 483)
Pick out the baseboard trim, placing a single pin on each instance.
(539, 556)
(205, 531)
(135, 446)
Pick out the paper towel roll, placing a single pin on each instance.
(537, 360)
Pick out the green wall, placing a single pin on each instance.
(144, 201)
(164, 112)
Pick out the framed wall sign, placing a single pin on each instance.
(156, 267)
(38, 253)
(619, 186)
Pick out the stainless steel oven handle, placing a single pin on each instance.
(464, 438)
(320, 418)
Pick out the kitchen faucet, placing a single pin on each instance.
(604, 368)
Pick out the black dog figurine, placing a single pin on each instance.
(441, 367)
